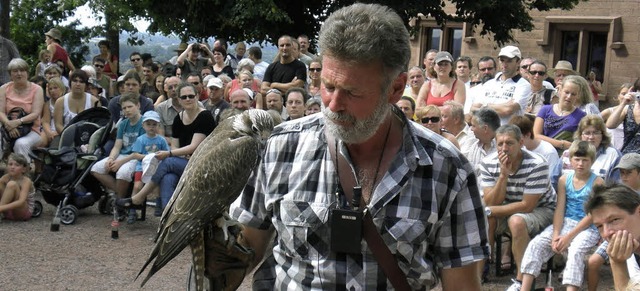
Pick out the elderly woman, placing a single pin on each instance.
(592, 129)
(189, 129)
(556, 123)
(313, 106)
(20, 93)
(55, 90)
(431, 118)
(74, 102)
(444, 87)
(53, 71)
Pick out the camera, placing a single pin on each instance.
(635, 94)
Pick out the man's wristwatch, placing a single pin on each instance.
(487, 211)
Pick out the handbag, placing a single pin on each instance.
(17, 113)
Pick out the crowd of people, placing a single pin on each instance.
(514, 146)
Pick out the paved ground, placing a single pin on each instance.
(84, 257)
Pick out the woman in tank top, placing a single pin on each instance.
(74, 102)
(444, 87)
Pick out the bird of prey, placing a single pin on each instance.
(214, 177)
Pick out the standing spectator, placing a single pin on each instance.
(287, 72)
(53, 38)
(428, 62)
(110, 60)
(594, 85)
(219, 66)
(416, 79)
(444, 86)
(216, 103)
(20, 93)
(303, 40)
(8, 51)
(296, 100)
(240, 50)
(315, 68)
(190, 60)
(560, 71)
(149, 71)
(627, 113)
(136, 62)
(463, 68)
(103, 79)
(571, 231)
(316, 149)
(45, 59)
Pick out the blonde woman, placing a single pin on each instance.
(431, 118)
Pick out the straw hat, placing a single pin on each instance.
(54, 33)
(563, 65)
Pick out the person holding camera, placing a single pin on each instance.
(629, 116)
(190, 60)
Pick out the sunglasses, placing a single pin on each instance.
(99, 66)
(315, 69)
(539, 73)
(135, 60)
(184, 97)
(434, 119)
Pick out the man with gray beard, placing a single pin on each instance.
(362, 165)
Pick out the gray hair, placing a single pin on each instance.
(365, 33)
(246, 62)
(17, 64)
(510, 129)
(487, 116)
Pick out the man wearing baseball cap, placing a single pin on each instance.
(216, 103)
(508, 92)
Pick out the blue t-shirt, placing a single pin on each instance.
(128, 133)
(576, 197)
(146, 145)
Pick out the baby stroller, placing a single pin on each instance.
(65, 180)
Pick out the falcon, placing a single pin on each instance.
(214, 177)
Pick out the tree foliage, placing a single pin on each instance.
(31, 19)
(266, 20)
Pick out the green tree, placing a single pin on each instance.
(265, 20)
(30, 19)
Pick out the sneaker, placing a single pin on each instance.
(515, 286)
(133, 216)
(158, 209)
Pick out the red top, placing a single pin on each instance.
(439, 101)
(60, 54)
(107, 68)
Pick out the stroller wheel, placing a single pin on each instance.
(68, 214)
(37, 209)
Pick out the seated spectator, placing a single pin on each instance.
(120, 160)
(533, 143)
(617, 133)
(625, 113)
(430, 117)
(585, 98)
(408, 106)
(45, 59)
(314, 105)
(453, 121)
(591, 129)
(159, 83)
(241, 99)
(275, 101)
(190, 127)
(540, 95)
(149, 71)
(556, 123)
(52, 71)
(110, 60)
(216, 103)
(245, 80)
(615, 210)
(484, 124)
(517, 192)
(148, 143)
(444, 86)
(55, 89)
(415, 79)
(219, 66)
(131, 83)
(296, 100)
(315, 68)
(195, 80)
(629, 167)
(571, 231)
(17, 194)
(74, 102)
(20, 93)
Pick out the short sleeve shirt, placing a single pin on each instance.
(128, 133)
(497, 91)
(203, 123)
(293, 190)
(147, 145)
(285, 73)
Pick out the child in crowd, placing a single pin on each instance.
(45, 60)
(16, 190)
(572, 229)
(120, 160)
(148, 143)
(629, 167)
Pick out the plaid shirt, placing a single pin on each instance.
(293, 191)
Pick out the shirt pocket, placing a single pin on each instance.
(303, 231)
(409, 238)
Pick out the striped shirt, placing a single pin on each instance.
(531, 178)
(426, 207)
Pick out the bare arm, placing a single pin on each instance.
(58, 114)
(451, 278)
(619, 112)
(183, 56)
(190, 148)
(505, 109)
(461, 93)
(36, 107)
(422, 94)
(528, 203)
(286, 86)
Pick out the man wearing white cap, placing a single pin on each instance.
(508, 92)
(216, 103)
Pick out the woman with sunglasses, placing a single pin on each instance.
(540, 95)
(189, 129)
(431, 117)
(315, 67)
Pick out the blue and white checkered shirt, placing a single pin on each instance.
(426, 207)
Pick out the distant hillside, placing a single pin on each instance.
(162, 48)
